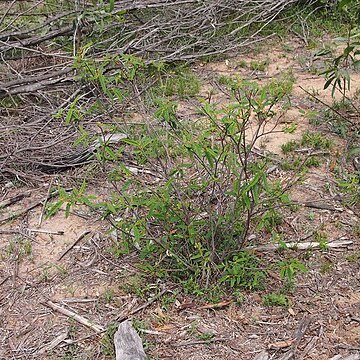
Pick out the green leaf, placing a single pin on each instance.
(343, 3)
(210, 156)
(329, 81)
(111, 6)
(348, 50)
(67, 209)
(290, 129)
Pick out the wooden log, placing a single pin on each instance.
(128, 344)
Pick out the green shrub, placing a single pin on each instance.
(244, 271)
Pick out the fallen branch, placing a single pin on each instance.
(35, 40)
(13, 200)
(31, 88)
(29, 208)
(302, 245)
(80, 319)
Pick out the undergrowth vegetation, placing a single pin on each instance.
(200, 194)
(210, 192)
(191, 146)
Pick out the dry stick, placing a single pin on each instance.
(45, 202)
(321, 206)
(327, 105)
(189, 343)
(10, 23)
(10, 36)
(7, 11)
(66, 30)
(80, 319)
(29, 88)
(27, 209)
(302, 245)
(35, 79)
(13, 200)
(122, 318)
(74, 244)
(43, 231)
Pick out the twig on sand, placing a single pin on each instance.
(13, 200)
(45, 202)
(82, 235)
(80, 319)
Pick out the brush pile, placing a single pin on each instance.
(43, 42)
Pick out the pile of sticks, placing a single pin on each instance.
(41, 40)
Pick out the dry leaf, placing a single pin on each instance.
(159, 312)
(281, 344)
(164, 328)
(291, 311)
(217, 305)
(186, 306)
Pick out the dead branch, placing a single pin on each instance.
(11, 86)
(13, 200)
(37, 142)
(80, 319)
(24, 211)
(302, 245)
